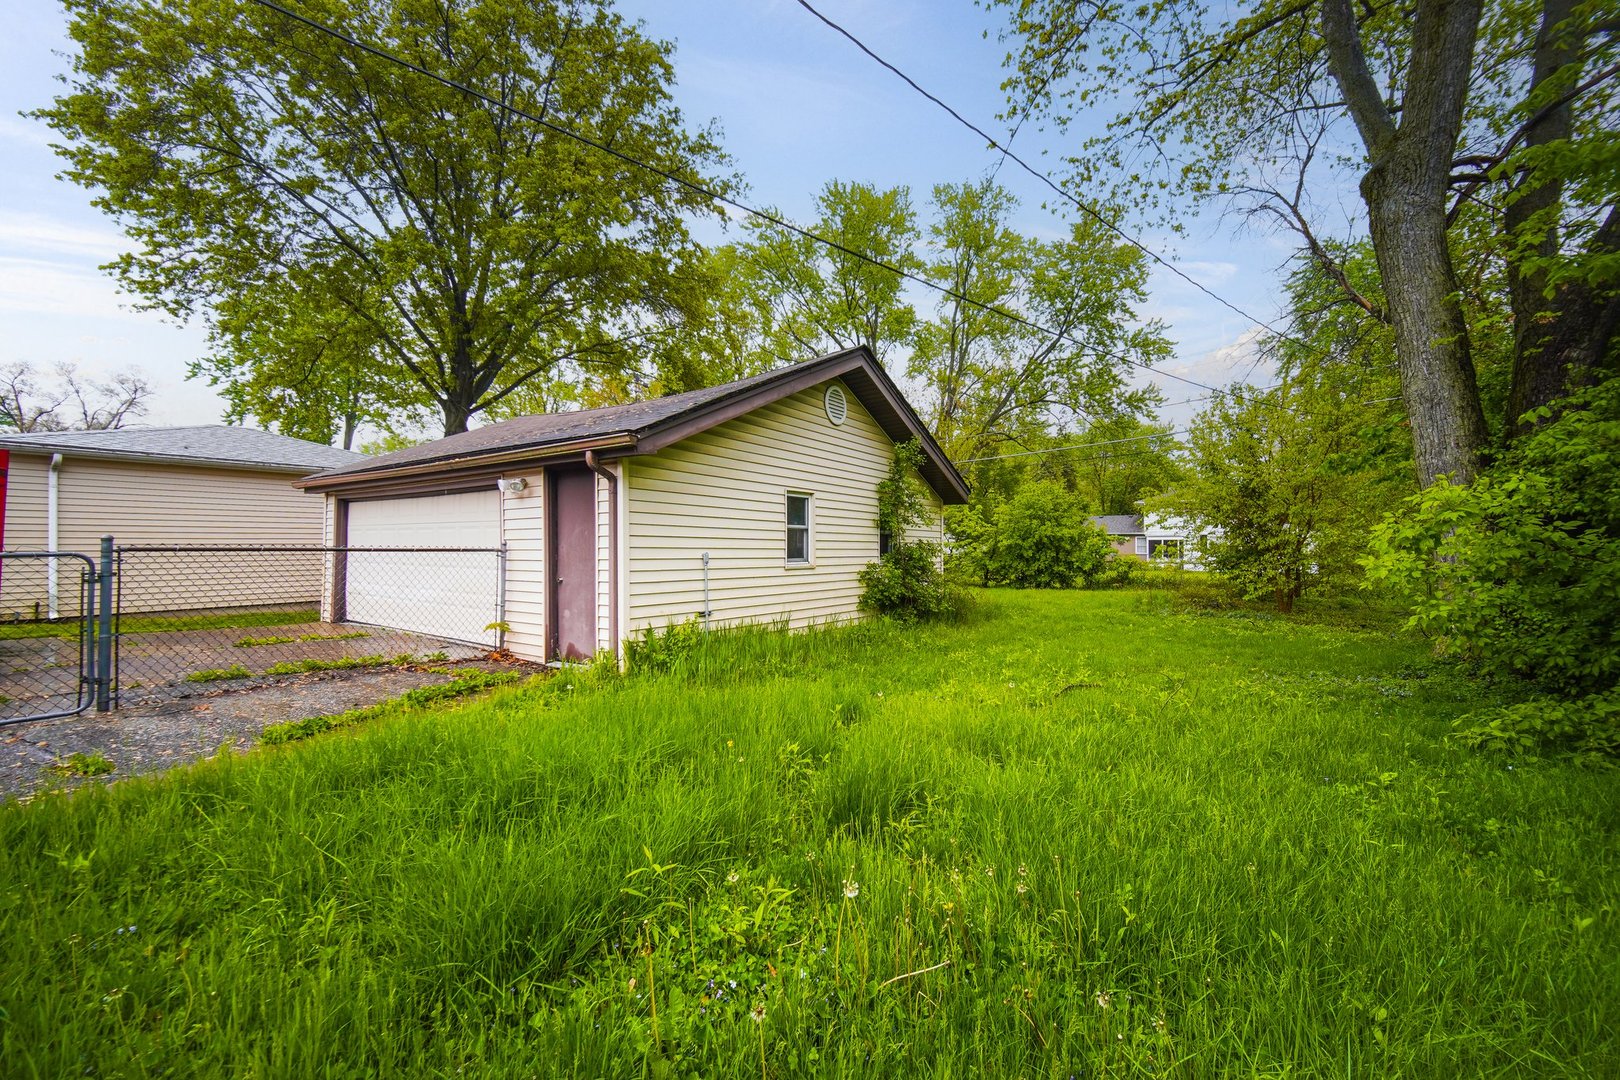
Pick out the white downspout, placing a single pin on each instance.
(50, 533)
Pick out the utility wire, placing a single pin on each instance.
(699, 189)
(1089, 211)
(1075, 446)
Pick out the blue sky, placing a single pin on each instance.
(797, 105)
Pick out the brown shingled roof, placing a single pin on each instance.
(646, 426)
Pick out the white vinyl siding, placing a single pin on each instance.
(523, 517)
(724, 492)
(168, 504)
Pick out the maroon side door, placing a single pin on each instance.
(571, 556)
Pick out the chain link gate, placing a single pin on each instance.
(49, 635)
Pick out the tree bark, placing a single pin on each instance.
(1545, 343)
(1405, 186)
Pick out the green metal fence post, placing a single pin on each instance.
(104, 640)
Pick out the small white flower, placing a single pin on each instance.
(1104, 1000)
(852, 889)
(757, 1013)
(732, 878)
(1022, 888)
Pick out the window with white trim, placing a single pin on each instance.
(1141, 545)
(798, 530)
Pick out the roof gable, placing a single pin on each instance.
(647, 426)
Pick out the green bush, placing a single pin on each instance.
(1043, 540)
(1518, 573)
(907, 582)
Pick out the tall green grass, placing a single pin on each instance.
(1082, 834)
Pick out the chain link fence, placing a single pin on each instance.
(46, 635)
(190, 617)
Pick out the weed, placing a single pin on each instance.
(255, 642)
(235, 671)
(80, 764)
(348, 635)
(462, 685)
(341, 663)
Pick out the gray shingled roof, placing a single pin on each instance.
(213, 444)
(1120, 524)
(545, 429)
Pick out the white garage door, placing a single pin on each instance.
(450, 594)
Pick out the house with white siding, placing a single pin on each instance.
(753, 501)
(212, 484)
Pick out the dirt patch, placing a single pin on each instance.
(198, 723)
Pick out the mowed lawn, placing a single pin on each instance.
(1082, 834)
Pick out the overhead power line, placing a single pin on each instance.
(1007, 153)
(727, 200)
(1074, 446)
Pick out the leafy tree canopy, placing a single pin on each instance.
(324, 208)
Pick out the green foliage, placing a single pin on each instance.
(1588, 725)
(660, 650)
(273, 639)
(463, 684)
(1034, 820)
(364, 242)
(81, 764)
(341, 663)
(1518, 573)
(907, 582)
(235, 671)
(990, 378)
(1285, 483)
(1044, 541)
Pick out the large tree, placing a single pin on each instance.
(276, 175)
(1435, 111)
(805, 297)
(991, 379)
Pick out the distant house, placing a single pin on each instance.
(753, 501)
(182, 485)
(1154, 539)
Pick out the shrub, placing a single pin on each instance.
(1044, 541)
(907, 582)
(1517, 573)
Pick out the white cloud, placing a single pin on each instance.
(28, 132)
(53, 238)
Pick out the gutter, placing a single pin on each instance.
(52, 538)
(613, 548)
(166, 459)
(528, 454)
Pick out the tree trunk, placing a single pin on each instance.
(1431, 336)
(1405, 186)
(1545, 345)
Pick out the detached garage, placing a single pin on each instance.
(747, 502)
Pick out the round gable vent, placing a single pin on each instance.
(837, 404)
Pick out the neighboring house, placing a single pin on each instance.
(1154, 539)
(188, 485)
(748, 502)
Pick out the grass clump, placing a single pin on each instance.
(341, 663)
(1246, 846)
(78, 763)
(207, 675)
(350, 635)
(462, 685)
(255, 642)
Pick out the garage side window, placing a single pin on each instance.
(798, 530)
